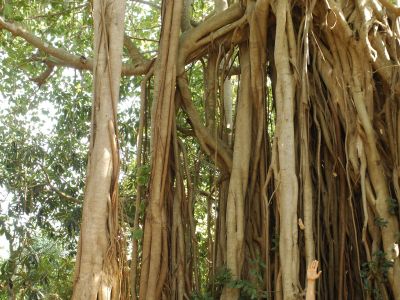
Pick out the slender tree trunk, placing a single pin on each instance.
(138, 186)
(239, 177)
(155, 258)
(304, 117)
(288, 185)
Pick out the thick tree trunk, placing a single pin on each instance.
(97, 274)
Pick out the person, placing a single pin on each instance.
(312, 276)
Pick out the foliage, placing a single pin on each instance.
(44, 130)
(223, 277)
(375, 272)
(380, 222)
(40, 270)
(393, 206)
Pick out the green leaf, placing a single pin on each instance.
(137, 234)
(18, 18)
(393, 206)
(7, 11)
(380, 222)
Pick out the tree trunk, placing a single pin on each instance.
(155, 249)
(98, 270)
(288, 185)
(239, 178)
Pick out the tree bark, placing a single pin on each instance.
(288, 185)
(239, 178)
(97, 273)
(154, 258)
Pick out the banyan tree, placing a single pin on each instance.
(281, 118)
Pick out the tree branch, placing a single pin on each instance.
(190, 41)
(41, 79)
(59, 192)
(217, 25)
(66, 59)
(213, 146)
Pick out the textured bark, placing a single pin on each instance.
(305, 168)
(288, 184)
(98, 267)
(155, 248)
(319, 153)
(239, 178)
(315, 146)
(138, 199)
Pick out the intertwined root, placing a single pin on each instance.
(317, 111)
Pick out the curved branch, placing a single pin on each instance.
(67, 59)
(214, 147)
(41, 79)
(189, 42)
(194, 38)
(214, 27)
